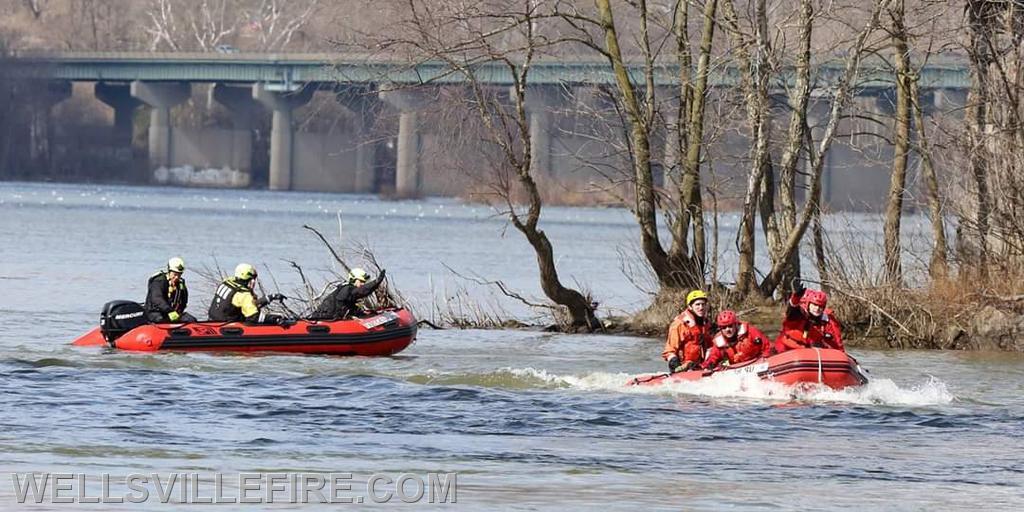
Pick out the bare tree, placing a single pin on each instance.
(682, 264)
(981, 17)
(760, 71)
(206, 24)
(755, 83)
(901, 119)
(276, 22)
(463, 38)
(840, 98)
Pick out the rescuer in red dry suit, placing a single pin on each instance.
(688, 335)
(736, 342)
(808, 323)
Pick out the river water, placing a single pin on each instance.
(526, 420)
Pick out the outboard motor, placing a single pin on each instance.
(119, 317)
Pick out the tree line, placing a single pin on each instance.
(779, 52)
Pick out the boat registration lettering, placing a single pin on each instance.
(759, 367)
(378, 320)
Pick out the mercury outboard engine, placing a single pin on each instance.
(119, 317)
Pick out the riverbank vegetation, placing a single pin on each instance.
(807, 79)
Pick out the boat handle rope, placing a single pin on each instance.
(820, 376)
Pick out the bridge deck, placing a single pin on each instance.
(290, 69)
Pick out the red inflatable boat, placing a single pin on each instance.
(383, 334)
(833, 368)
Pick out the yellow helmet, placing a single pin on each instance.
(176, 265)
(245, 271)
(358, 274)
(695, 295)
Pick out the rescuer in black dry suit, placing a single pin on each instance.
(167, 295)
(344, 301)
(235, 301)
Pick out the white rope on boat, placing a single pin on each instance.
(820, 374)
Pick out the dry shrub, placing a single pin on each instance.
(925, 313)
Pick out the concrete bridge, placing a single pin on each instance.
(248, 84)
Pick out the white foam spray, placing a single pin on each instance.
(879, 391)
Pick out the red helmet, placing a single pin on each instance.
(815, 297)
(727, 318)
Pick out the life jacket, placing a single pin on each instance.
(177, 295)
(799, 329)
(222, 308)
(749, 343)
(687, 338)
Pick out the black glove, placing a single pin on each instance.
(262, 302)
(797, 287)
(673, 364)
(383, 272)
(275, 296)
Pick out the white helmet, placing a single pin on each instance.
(176, 264)
(358, 274)
(245, 271)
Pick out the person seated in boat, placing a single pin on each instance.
(735, 342)
(344, 301)
(688, 334)
(807, 322)
(167, 295)
(235, 300)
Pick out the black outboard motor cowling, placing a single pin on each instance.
(119, 317)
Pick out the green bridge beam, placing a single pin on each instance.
(288, 71)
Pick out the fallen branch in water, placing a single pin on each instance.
(504, 289)
(430, 324)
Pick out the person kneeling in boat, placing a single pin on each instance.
(343, 302)
(167, 295)
(235, 301)
(688, 335)
(808, 323)
(736, 342)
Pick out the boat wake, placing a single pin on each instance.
(879, 391)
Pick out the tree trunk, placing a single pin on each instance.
(938, 266)
(981, 57)
(755, 90)
(795, 137)
(675, 269)
(510, 132)
(690, 193)
(580, 309)
(901, 146)
(839, 103)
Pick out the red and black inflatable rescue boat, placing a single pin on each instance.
(833, 368)
(381, 334)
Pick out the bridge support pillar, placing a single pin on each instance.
(243, 108)
(41, 125)
(539, 101)
(119, 97)
(281, 145)
(362, 100)
(161, 96)
(947, 100)
(407, 173)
